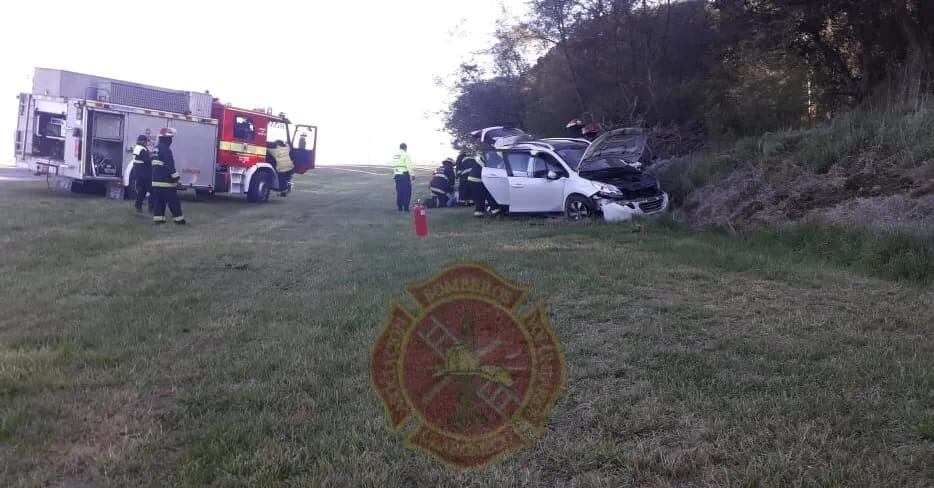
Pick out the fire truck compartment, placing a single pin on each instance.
(41, 129)
(106, 145)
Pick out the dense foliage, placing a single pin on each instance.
(721, 67)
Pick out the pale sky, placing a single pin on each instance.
(363, 71)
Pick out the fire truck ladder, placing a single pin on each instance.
(495, 395)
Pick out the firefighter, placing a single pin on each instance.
(278, 155)
(592, 131)
(441, 187)
(448, 166)
(141, 173)
(481, 196)
(164, 180)
(404, 176)
(575, 128)
(463, 185)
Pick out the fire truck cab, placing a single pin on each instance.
(243, 164)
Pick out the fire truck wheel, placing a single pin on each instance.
(259, 187)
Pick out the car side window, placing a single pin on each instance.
(517, 164)
(541, 165)
(493, 160)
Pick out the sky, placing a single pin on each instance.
(363, 71)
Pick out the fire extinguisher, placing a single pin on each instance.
(421, 219)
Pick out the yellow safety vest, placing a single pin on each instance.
(401, 163)
(283, 160)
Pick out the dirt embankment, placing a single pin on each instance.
(870, 191)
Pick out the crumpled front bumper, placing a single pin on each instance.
(623, 210)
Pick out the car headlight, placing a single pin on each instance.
(607, 191)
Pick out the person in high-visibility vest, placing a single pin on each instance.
(403, 174)
(164, 180)
(278, 154)
(141, 173)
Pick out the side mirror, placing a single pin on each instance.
(552, 175)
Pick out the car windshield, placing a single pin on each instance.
(603, 164)
(572, 156)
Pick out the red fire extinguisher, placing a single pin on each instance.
(421, 219)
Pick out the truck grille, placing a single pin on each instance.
(651, 205)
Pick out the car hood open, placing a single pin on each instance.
(627, 144)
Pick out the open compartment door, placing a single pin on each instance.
(304, 142)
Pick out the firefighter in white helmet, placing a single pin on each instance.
(164, 180)
(575, 128)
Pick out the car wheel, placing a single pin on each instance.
(259, 188)
(578, 207)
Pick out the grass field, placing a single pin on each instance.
(235, 351)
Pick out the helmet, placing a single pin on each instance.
(403, 146)
(168, 132)
(447, 161)
(575, 123)
(142, 139)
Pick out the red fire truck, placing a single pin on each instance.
(82, 128)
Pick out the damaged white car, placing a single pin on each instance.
(574, 177)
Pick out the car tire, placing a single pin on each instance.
(579, 207)
(260, 186)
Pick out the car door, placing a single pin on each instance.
(495, 176)
(532, 191)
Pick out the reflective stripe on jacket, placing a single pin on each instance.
(164, 174)
(476, 169)
(141, 155)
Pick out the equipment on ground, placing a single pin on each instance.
(421, 219)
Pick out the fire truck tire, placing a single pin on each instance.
(260, 185)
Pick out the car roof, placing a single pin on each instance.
(554, 144)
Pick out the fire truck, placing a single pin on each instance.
(82, 128)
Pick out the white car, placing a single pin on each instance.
(573, 177)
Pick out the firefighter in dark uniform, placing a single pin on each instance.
(441, 187)
(448, 166)
(575, 128)
(463, 185)
(141, 173)
(592, 131)
(164, 180)
(481, 196)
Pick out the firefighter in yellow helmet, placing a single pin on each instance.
(164, 180)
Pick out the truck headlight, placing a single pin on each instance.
(607, 191)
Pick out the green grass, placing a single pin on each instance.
(877, 133)
(235, 351)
